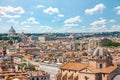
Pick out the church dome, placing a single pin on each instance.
(100, 58)
(11, 30)
(99, 51)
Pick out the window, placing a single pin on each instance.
(100, 57)
(86, 78)
(37, 79)
(104, 75)
(69, 70)
(42, 78)
(45, 78)
(100, 66)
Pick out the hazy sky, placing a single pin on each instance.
(38, 16)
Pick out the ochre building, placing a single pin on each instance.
(98, 67)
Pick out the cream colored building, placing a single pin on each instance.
(99, 67)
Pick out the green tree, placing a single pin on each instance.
(111, 44)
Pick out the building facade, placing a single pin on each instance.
(98, 67)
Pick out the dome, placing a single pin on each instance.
(11, 30)
(99, 51)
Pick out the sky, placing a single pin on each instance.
(60, 16)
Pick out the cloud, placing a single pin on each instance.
(4, 29)
(40, 6)
(10, 9)
(99, 25)
(44, 29)
(40, 29)
(97, 8)
(98, 29)
(6, 11)
(24, 22)
(24, 28)
(73, 29)
(118, 10)
(30, 20)
(51, 11)
(112, 21)
(118, 7)
(4, 15)
(73, 20)
(115, 28)
(35, 29)
(0, 19)
(14, 16)
(71, 25)
(60, 15)
(13, 21)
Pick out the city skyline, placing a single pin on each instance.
(43, 16)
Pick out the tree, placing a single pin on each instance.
(110, 44)
(5, 38)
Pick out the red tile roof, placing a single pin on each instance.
(109, 69)
(73, 66)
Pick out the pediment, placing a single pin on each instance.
(86, 70)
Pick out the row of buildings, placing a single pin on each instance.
(10, 69)
(83, 59)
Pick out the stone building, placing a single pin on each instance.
(98, 67)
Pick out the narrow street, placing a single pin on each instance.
(52, 69)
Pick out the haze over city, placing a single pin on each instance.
(41, 16)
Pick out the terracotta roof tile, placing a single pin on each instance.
(73, 66)
(109, 69)
(93, 69)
